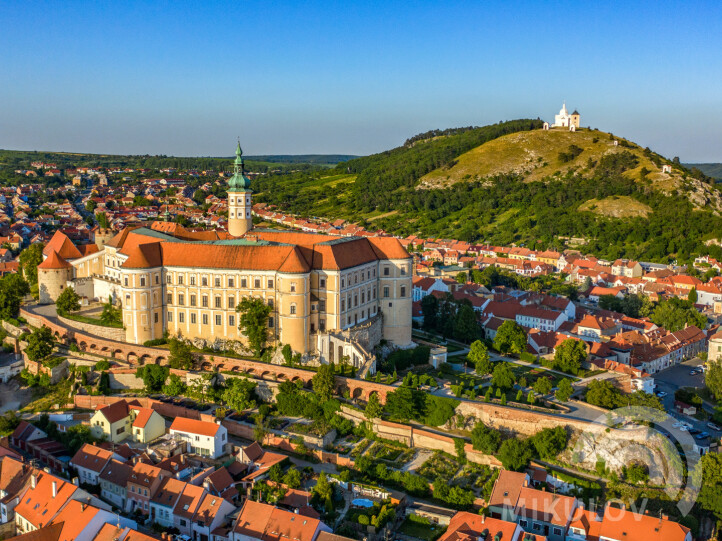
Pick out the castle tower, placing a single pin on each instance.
(53, 276)
(239, 198)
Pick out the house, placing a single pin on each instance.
(142, 484)
(539, 318)
(620, 524)
(164, 501)
(210, 514)
(264, 522)
(465, 526)
(596, 327)
(203, 438)
(112, 422)
(597, 291)
(82, 522)
(14, 479)
(259, 461)
(113, 481)
(714, 350)
(90, 461)
(625, 267)
(147, 424)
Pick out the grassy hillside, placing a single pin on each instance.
(514, 183)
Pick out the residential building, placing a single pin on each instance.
(203, 438)
(142, 484)
(90, 461)
(263, 522)
(113, 483)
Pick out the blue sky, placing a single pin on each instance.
(187, 78)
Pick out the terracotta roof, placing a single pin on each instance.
(110, 532)
(388, 248)
(470, 527)
(189, 501)
(38, 506)
(87, 249)
(54, 261)
(143, 256)
(48, 533)
(267, 523)
(62, 244)
(193, 426)
(546, 506)
(625, 524)
(295, 262)
(142, 417)
(115, 412)
(208, 508)
(116, 472)
(507, 488)
(168, 492)
(75, 517)
(91, 458)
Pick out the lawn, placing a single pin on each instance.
(421, 528)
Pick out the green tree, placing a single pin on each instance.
(569, 355)
(564, 390)
(239, 393)
(637, 473)
(549, 442)
(253, 322)
(515, 454)
(542, 386)
(68, 301)
(485, 439)
(111, 315)
(40, 344)
(461, 277)
(9, 301)
(29, 260)
(292, 479)
(503, 376)
(510, 338)
(602, 393)
(323, 382)
(373, 407)
(709, 469)
(430, 311)
(153, 376)
(322, 492)
(176, 386)
(466, 328)
(692, 296)
(181, 356)
(479, 355)
(713, 379)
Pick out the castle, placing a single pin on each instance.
(331, 297)
(565, 120)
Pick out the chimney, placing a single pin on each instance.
(76, 482)
(483, 519)
(55, 489)
(34, 480)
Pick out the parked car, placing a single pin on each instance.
(661, 394)
(713, 426)
(702, 435)
(694, 431)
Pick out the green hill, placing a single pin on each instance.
(515, 183)
(713, 170)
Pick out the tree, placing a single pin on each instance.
(181, 356)
(405, 403)
(153, 376)
(510, 338)
(542, 386)
(709, 469)
(549, 442)
(239, 393)
(692, 296)
(323, 492)
(40, 344)
(29, 260)
(564, 390)
(569, 355)
(430, 310)
(503, 377)
(515, 454)
(479, 355)
(602, 393)
(461, 277)
(713, 379)
(485, 439)
(111, 315)
(176, 386)
(373, 407)
(68, 301)
(466, 328)
(323, 382)
(253, 322)
(9, 300)
(292, 479)
(637, 473)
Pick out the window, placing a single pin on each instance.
(181, 317)
(363, 297)
(244, 282)
(232, 321)
(270, 303)
(322, 282)
(403, 271)
(387, 271)
(322, 325)
(270, 284)
(230, 282)
(293, 287)
(204, 301)
(204, 281)
(218, 302)
(180, 279)
(355, 279)
(181, 299)
(343, 305)
(155, 317)
(218, 320)
(403, 291)
(322, 305)
(157, 279)
(193, 280)
(270, 322)
(293, 309)
(170, 298)
(386, 291)
(557, 531)
(126, 281)
(193, 319)
(355, 300)
(120, 430)
(231, 301)
(257, 283)
(374, 292)
(170, 317)
(205, 319)
(218, 282)
(343, 282)
(193, 300)
(168, 279)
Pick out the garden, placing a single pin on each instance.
(421, 528)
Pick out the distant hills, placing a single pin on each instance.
(314, 159)
(713, 170)
(514, 183)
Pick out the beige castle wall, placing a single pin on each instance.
(104, 332)
(51, 283)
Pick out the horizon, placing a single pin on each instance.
(187, 80)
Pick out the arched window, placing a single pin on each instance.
(293, 308)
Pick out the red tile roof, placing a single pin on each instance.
(54, 261)
(193, 426)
